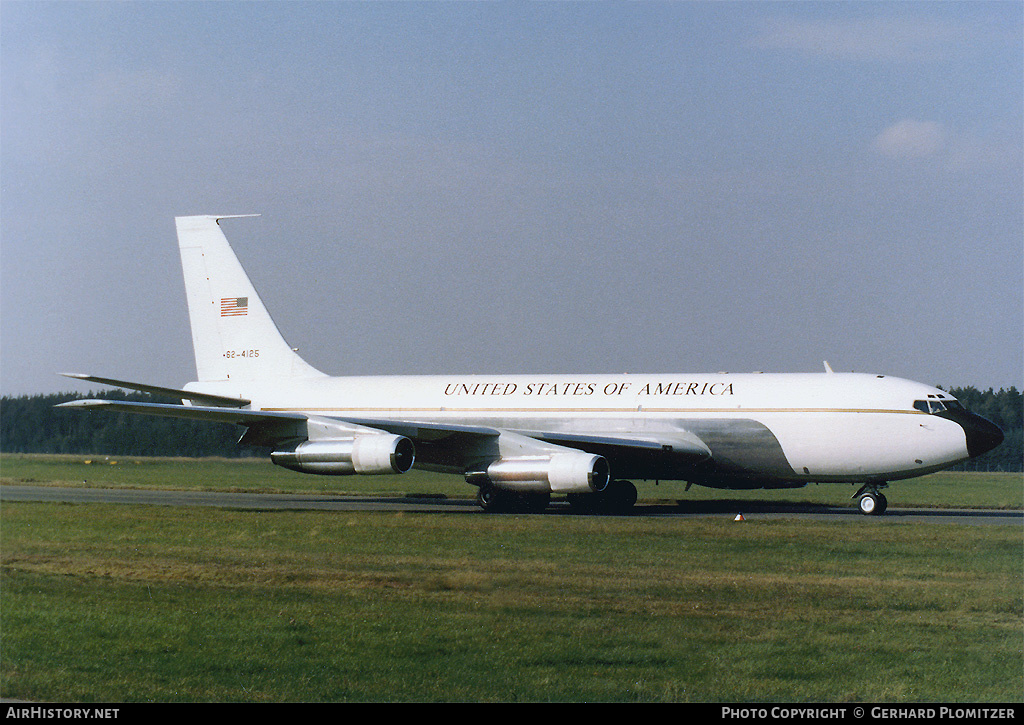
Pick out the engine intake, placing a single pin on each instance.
(365, 454)
(574, 472)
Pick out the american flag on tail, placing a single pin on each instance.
(234, 306)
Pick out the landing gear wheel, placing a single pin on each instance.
(533, 503)
(870, 500)
(490, 500)
(618, 498)
(873, 504)
(493, 500)
(582, 503)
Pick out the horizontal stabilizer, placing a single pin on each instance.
(205, 398)
(193, 412)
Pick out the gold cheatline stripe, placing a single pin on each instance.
(640, 409)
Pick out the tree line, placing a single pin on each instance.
(32, 424)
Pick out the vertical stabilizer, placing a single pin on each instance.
(232, 333)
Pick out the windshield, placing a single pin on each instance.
(934, 405)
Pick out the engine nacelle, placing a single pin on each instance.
(364, 454)
(570, 472)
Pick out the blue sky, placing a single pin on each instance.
(520, 187)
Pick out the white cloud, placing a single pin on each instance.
(910, 139)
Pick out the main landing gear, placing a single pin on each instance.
(493, 500)
(872, 502)
(618, 498)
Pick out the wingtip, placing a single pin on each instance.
(82, 404)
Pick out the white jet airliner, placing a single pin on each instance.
(521, 439)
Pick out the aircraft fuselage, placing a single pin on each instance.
(763, 430)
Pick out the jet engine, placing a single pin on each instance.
(363, 454)
(570, 472)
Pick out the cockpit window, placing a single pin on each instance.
(937, 406)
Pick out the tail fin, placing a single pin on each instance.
(232, 333)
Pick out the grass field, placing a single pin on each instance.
(121, 603)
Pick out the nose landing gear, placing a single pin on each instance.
(872, 502)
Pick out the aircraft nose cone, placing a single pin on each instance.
(982, 435)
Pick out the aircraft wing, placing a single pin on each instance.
(193, 412)
(276, 426)
(441, 445)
